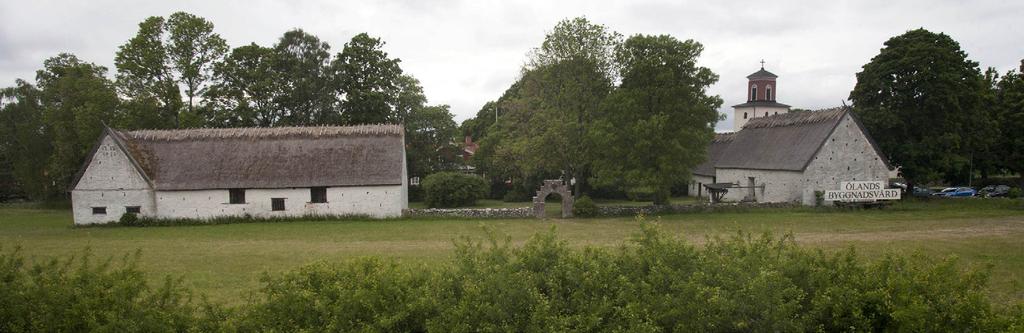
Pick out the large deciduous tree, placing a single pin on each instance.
(146, 79)
(429, 131)
(563, 85)
(1010, 103)
(76, 98)
(244, 90)
(301, 60)
(193, 48)
(657, 125)
(25, 143)
(921, 99)
(164, 57)
(367, 81)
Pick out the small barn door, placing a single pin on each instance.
(751, 195)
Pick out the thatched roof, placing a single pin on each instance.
(780, 142)
(279, 157)
(715, 150)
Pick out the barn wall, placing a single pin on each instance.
(109, 181)
(697, 183)
(846, 156)
(375, 201)
(780, 186)
(82, 202)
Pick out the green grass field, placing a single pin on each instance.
(226, 262)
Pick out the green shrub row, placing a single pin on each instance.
(653, 283)
(83, 295)
(453, 189)
(134, 220)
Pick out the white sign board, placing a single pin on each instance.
(862, 191)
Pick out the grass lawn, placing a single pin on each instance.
(225, 262)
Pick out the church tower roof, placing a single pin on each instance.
(762, 74)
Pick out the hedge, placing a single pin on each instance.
(453, 189)
(653, 283)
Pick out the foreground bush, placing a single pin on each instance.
(453, 189)
(654, 283)
(81, 295)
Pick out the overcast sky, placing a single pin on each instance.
(466, 53)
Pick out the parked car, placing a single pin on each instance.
(961, 192)
(922, 192)
(944, 192)
(994, 191)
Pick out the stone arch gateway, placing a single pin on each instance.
(553, 186)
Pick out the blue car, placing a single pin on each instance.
(959, 192)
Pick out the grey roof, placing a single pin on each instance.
(278, 157)
(761, 103)
(715, 150)
(762, 74)
(781, 142)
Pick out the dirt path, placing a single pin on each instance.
(979, 228)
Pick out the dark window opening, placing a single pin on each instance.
(318, 194)
(744, 115)
(753, 93)
(99, 211)
(766, 114)
(133, 209)
(768, 93)
(276, 204)
(236, 196)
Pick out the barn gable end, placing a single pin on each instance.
(848, 154)
(110, 168)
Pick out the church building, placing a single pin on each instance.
(776, 155)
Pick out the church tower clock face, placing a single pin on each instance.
(762, 90)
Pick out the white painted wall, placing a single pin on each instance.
(697, 183)
(780, 186)
(753, 112)
(374, 201)
(110, 181)
(846, 156)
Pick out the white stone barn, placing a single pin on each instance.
(789, 156)
(258, 172)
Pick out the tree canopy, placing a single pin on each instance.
(655, 128)
(178, 72)
(921, 98)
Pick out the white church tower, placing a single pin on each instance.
(761, 91)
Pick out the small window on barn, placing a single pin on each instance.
(133, 209)
(99, 211)
(276, 204)
(236, 196)
(318, 194)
